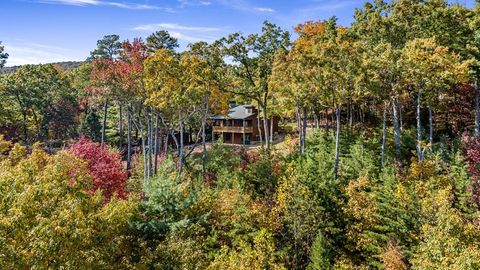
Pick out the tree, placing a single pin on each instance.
(105, 167)
(291, 72)
(49, 220)
(91, 127)
(206, 70)
(169, 85)
(31, 92)
(428, 71)
(61, 118)
(338, 77)
(254, 56)
(260, 255)
(132, 93)
(451, 242)
(161, 40)
(471, 147)
(319, 257)
(108, 49)
(3, 56)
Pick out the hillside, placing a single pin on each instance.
(64, 65)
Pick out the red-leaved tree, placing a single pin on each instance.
(472, 156)
(104, 165)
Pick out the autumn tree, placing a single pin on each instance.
(336, 55)
(50, 220)
(291, 76)
(254, 56)
(105, 167)
(168, 90)
(103, 72)
(428, 71)
(207, 73)
(130, 72)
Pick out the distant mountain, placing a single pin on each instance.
(64, 65)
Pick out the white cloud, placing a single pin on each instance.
(22, 53)
(173, 26)
(264, 9)
(105, 3)
(184, 3)
(184, 32)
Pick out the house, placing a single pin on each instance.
(240, 125)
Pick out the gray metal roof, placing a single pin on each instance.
(237, 113)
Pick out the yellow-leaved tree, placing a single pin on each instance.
(49, 220)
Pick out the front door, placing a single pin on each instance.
(248, 139)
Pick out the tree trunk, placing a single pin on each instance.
(204, 139)
(259, 126)
(430, 121)
(304, 130)
(419, 129)
(265, 126)
(129, 141)
(348, 129)
(477, 107)
(400, 111)
(396, 131)
(149, 144)
(299, 127)
(337, 141)
(384, 132)
(120, 127)
(271, 130)
(144, 151)
(25, 130)
(327, 121)
(104, 126)
(156, 147)
(181, 159)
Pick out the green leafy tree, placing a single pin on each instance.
(32, 91)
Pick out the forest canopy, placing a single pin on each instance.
(111, 163)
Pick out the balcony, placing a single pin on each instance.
(220, 129)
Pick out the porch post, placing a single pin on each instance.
(243, 132)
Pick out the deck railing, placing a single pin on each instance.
(220, 129)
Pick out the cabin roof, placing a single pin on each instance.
(236, 113)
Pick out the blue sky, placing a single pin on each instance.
(43, 31)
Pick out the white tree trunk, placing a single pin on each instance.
(419, 129)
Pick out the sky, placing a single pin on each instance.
(45, 31)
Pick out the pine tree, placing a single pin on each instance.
(319, 255)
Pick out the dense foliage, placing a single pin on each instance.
(380, 168)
